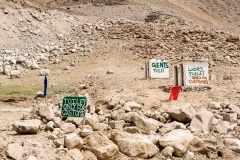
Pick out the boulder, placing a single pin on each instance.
(182, 112)
(92, 120)
(232, 38)
(230, 117)
(134, 145)
(146, 125)
(118, 114)
(117, 124)
(72, 140)
(68, 127)
(15, 74)
(101, 127)
(180, 143)
(101, 146)
(132, 105)
(87, 130)
(88, 155)
(44, 72)
(27, 126)
(46, 111)
(171, 126)
(235, 109)
(74, 154)
(224, 126)
(233, 144)
(14, 151)
(131, 129)
(202, 120)
(76, 121)
(168, 151)
(197, 145)
(214, 105)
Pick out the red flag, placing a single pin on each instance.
(174, 93)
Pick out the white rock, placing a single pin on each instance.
(15, 151)
(182, 112)
(202, 120)
(32, 158)
(190, 155)
(134, 145)
(167, 151)
(44, 72)
(15, 74)
(46, 111)
(72, 140)
(146, 125)
(101, 146)
(132, 105)
(233, 144)
(68, 127)
(74, 154)
(171, 126)
(27, 126)
(180, 143)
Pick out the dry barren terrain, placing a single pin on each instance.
(98, 48)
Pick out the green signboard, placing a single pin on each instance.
(74, 106)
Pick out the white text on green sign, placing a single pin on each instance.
(74, 106)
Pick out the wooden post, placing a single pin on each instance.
(146, 70)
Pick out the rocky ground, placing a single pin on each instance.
(98, 49)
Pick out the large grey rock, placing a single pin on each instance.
(68, 127)
(179, 139)
(92, 120)
(235, 109)
(72, 140)
(233, 144)
(171, 126)
(117, 124)
(88, 155)
(15, 74)
(146, 125)
(230, 117)
(197, 145)
(167, 152)
(14, 151)
(134, 145)
(202, 120)
(76, 121)
(46, 111)
(27, 126)
(44, 72)
(74, 154)
(101, 146)
(214, 105)
(32, 158)
(132, 105)
(118, 114)
(224, 126)
(182, 112)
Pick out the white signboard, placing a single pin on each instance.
(196, 73)
(158, 68)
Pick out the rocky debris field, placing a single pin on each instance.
(118, 129)
(99, 49)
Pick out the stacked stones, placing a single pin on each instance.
(118, 129)
(153, 40)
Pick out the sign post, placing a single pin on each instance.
(74, 106)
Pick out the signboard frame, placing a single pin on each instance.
(74, 106)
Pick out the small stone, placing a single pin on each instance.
(109, 72)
